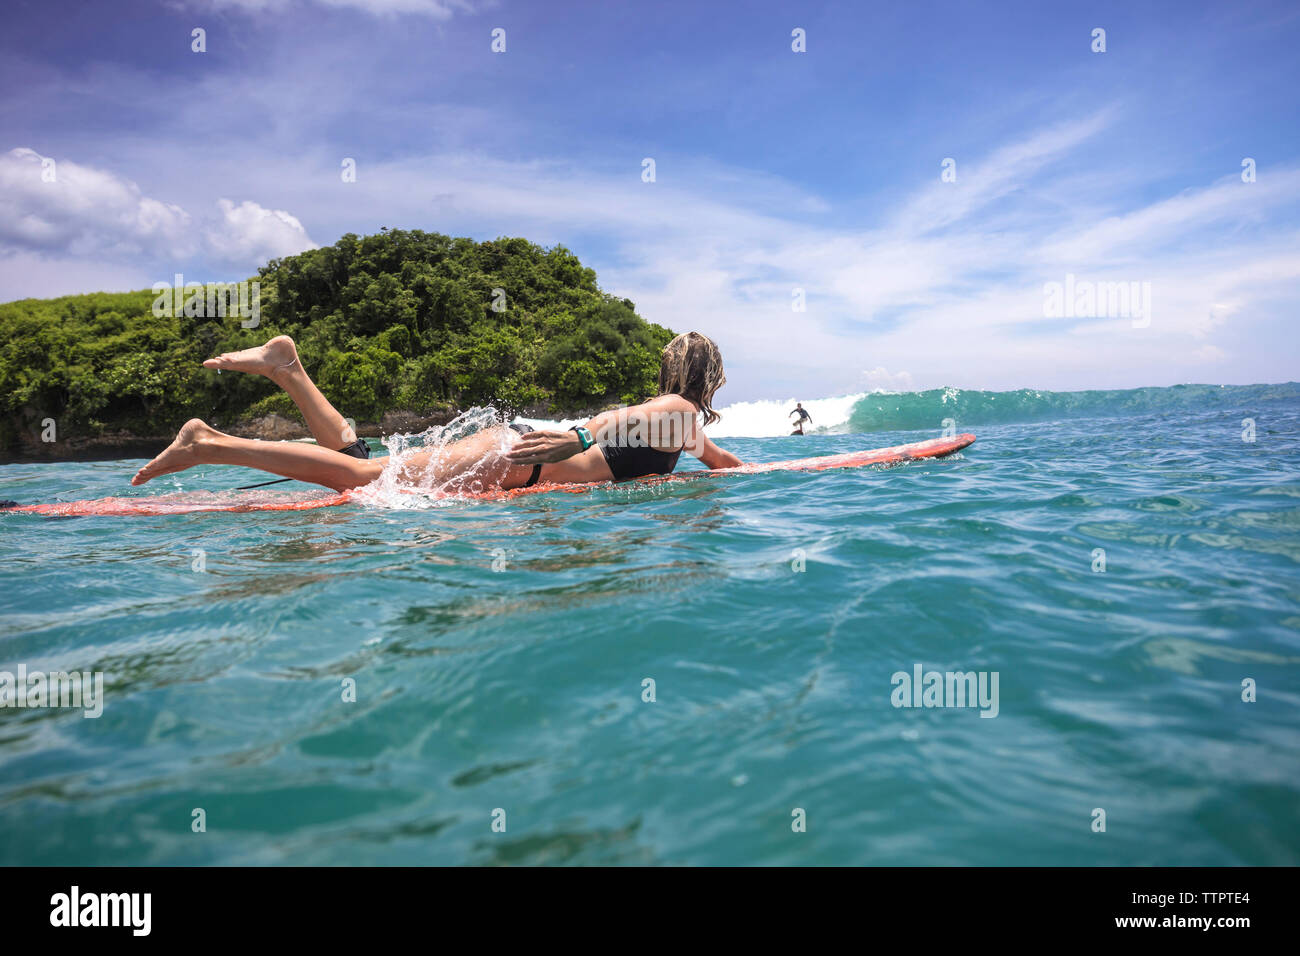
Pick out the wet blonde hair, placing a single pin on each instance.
(692, 368)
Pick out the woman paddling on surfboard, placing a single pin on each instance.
(633, 442)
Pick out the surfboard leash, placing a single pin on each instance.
(262, 484)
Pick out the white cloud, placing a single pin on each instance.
(1209, 353)
(436, 9)
(80, 220)
(958, 305)
(1173, 220)
(250, 233)
(946, 285)
(70, 208)
(881, 378)
(980, 183)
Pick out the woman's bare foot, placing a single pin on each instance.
(184, 452)
(278, 354)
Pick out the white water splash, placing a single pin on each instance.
(414, 476)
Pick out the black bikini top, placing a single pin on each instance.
(626, 461)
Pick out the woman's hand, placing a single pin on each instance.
(544, 447)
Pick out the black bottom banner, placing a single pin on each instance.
(329, 905)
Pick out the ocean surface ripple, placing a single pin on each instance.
(499, 652)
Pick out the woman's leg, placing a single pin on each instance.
(472, 464)
(200, 444)
(278, 361)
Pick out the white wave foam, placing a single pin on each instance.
(762, 419)
(767, 419)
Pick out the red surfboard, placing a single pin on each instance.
(193, 502)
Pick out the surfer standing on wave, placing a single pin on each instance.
(803, 417)
(632, 442)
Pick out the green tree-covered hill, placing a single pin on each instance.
(401, 320)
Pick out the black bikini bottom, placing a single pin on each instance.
(358, 449)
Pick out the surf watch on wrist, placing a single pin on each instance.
(584, 436)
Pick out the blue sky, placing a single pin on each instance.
(775, 170)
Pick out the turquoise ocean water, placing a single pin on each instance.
(520, 689)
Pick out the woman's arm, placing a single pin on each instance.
(544, 447)
(661, 423)
(709, 453)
